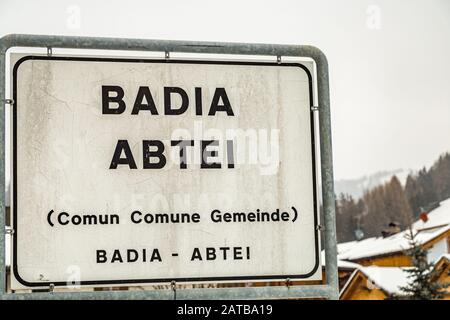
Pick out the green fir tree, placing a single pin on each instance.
(422, 275)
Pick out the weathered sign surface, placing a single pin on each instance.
(129, 171)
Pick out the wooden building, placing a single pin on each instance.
(380, 283)
(382, 260)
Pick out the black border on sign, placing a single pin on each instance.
(191, 279)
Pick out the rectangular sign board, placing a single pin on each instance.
(132, 171)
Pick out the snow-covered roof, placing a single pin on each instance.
(389, 279)
(378, 246)
(444, 256)
(347, 265)
(341, 263)
(438, 223)
(437, 217)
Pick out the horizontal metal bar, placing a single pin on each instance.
(102, 43)
(292, 292)
(89, 295)
(278, 292)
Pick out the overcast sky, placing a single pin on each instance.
(389, 60)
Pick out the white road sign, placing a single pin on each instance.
(130, 171)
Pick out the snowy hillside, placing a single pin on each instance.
(356, 187)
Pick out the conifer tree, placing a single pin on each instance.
(396, 203)
(440, 174)
(422, 275)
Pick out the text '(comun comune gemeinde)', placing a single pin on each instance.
(64, 218)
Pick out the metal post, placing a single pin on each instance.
(2, 171)
(330, 290)
(326, 158)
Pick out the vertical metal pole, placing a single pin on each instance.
(2, 171)
(326, 158)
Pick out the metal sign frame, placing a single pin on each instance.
(322, 105)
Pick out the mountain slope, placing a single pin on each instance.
(356, 187)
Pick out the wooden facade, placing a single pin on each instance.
(360, 288)
(443, 265)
